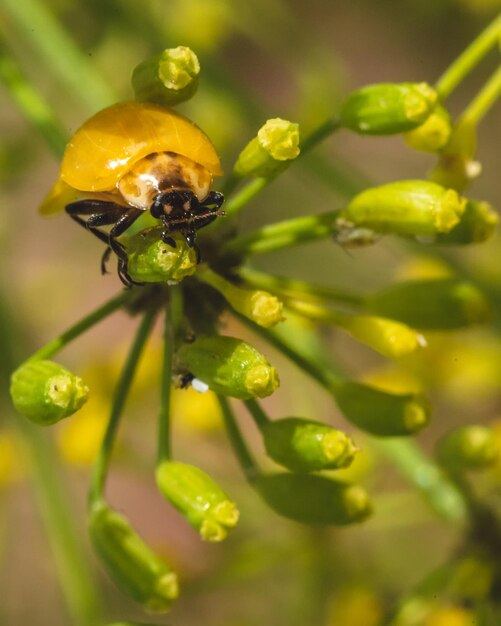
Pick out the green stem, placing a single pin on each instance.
(468, 59)
(294, 287)
(245, 195)
(35, 22)
(164, 439)
(484, 100)
(258, 415)
(57, 344)
(283, 234)
(31, 103)
(244, 457)
(103, 460)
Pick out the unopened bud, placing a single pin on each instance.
(150, 260)
(442, 303)
(433, 134)
(471, 447)
(410, 207)
(260, 306)
(168, 78)
(388, 108)
(229, 366)
(381, 413)
(478, 223)
(199, 498)
(132, 564)
(276, 143)
(312, 499)
(307, 446)
(46, 392)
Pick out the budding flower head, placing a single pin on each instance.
(443, 303)
(135, 568)
(312, 499)
(478, 223)
(168, 78)
(153, 261)
(277, 142)
(307, 446)
(46, 392)
(199, 498)
(471, 447)
(380, 413)
(411, 207)
(229, 366)
(387, 108)
(433, 134)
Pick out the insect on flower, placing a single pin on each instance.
(134, 157)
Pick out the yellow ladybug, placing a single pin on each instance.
(133, 157)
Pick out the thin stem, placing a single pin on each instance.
(468, 59)
(120, 396)
(164, 439)
(57, 344)
(297, 288)
(31, 103)
(245, 195)
(320, 133)
(258, 415)
(283, 234)
(484, 99)
(35, 22)
(238, 444)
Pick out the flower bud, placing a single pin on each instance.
(456, 166)
(135, 568)
(229, 366)
(312, 499)
(378, 412)
(410, 207)
(199, 498)
(389, 338)
(46, 392)
(303, 445)
(471, 447)
(433, 134)
(478, 223)
(276, 143)
(442, 303)
(168, 78)
(259, 306)
(152, 261)
(387, 108)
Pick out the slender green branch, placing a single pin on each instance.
(57, 344)
(258, 415)
(35, 22)
(251, 189)
(484, 99)
(323, 131)
(283, 234)
(299, 288)
(103, 460)
(468, 59)
(31, 103)
(238, 444)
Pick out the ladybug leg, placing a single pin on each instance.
(122, 224)
(104, 259)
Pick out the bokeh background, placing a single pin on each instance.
(260, 59)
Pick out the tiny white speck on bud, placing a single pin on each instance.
(199, 385)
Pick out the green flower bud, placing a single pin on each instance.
(433, 134)
(312, 499)
(152, 261)
(307, 446)
(478, 223)
(471, 447)
(135, 568)
(410, 207)
(168, 78)
(276, 143)
(378, 412)
(442, 303)
(199, 498)
(229, 366)
(46, 392)
(259, 306)
(387, 108)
